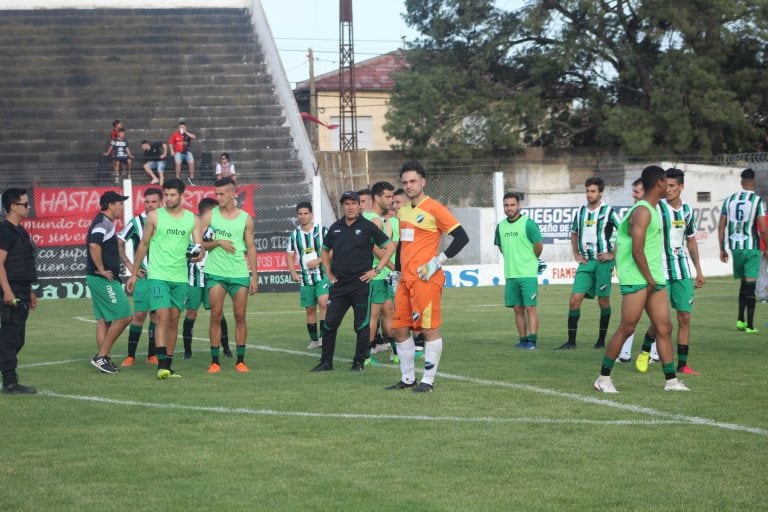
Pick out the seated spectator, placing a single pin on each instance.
(225, 168)
(180, 143)
(154, 156)
(121, 155)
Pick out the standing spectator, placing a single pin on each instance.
(230, 269)
(180, 143)
(347, 258)
(520, 242)
(762, 279)
(154, 160)
(592, 245)
(121, 155)
(225, 168)
(306, 267)
(743, 222)
(167, 232)
(110, 305)
(423, 221)
(17, 273)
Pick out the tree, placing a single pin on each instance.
(651, 76)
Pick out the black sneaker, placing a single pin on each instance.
(357, 366)
(109, 360)
(599, 344)
(187, 354)
(322, 367)
(402, 385)
(625, 359)
(18, 389)
(423, 388)
(102, 364)
(566, 346)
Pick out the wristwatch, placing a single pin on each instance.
(377, 270)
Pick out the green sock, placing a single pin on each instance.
(605, 369)
(532, 338)
(647, 342)
(669, 370)
(523, 339)
(215, 355)
(240, 353)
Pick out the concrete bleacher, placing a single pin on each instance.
(68, 73)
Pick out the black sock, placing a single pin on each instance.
(647, 342)
(682, 356)
(749, 289)
(134, 333)
(151, 347)
(186, 333)
(168, 362)
(240, 353)
(742, 302)
(224, 334)
(162, 363)
(392, 344)
(573, 324)
(322, 328)
(605, 319)
(312, 330)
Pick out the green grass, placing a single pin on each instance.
(504, 429)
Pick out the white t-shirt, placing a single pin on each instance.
(230, 167)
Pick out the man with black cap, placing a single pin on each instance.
(742, 223)
(110, 305)
(17, 273)
(350, 269)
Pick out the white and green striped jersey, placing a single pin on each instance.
(306, 245)
(196, 273)
(677, 226)
(595, 230)
(131, 234)
(741, 211)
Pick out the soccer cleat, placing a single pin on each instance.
(741, 325)
(214, 368)
(750, 331)
(18, 389)
(242, 367)
(530, 345)
(322, 367)
(401, 385)
(599, 344)
(394, 359)
(163, 374)
(357, 366)
(566, 346)
(128, 361)
(103, 364)
(371, 361)
(675, 385)
(152, 360)
(381, 347)
(641, 363)
(423, 387)
(603, 384)
(688, 370)
(418, 355)
(174, 375)
(187, 354)
(522, 345)
(315, 344)
(624, 360)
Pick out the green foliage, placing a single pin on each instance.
(650, 76)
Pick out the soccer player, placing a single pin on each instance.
(167, 231)
(679, 232)
(423, 221)
(520, 242)
(347, 258)
(642, 282)
(198, 294)
(591, 241)
(110, 305)
(304, 247)
(742, 217)
(132, 232)
(377, 295)
(230, 269)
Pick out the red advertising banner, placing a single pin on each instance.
(63, 214)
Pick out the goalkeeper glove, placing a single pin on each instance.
(542, 266)
(427, 270)
(193, 251)
(394, 280)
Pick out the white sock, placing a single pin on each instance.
(406, 351)
(626, 349)
(654, 354)
(432, 351)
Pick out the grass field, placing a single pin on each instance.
(504, 429)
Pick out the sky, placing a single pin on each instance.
(378, 28)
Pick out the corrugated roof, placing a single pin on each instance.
(370, 75)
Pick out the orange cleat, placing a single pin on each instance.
(688, 370)
(152, 360)
(242, 368)
(128, 361)
(214, 368)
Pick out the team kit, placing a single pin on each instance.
(382, 259)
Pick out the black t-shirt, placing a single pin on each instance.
(154, 152)
(353, 247)
(20, 258)
(102, 232)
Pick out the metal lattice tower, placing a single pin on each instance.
(347, 94)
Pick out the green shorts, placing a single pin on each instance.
(231, 285)
(167, 294)
(141, 295)
(109, 299)
(681, 294)
(521, 291)
(380, 292)
(593, 279)
(195, 297)
(746, 263)
(308, 294)
(627, 289)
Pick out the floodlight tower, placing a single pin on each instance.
(347, 95)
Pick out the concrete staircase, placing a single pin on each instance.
(66, 74)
